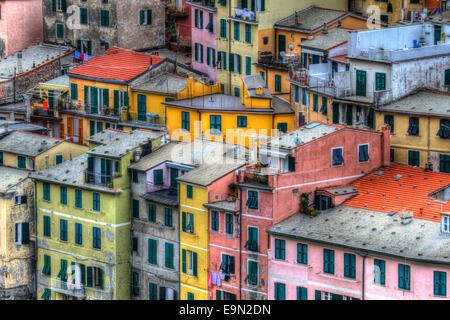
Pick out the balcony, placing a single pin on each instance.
(176, 10)
(79, 108)
(211, 4)
(99, 179)
(268, 59)
(101, 294)
(245, 15)
(152, 121)
(68, 288)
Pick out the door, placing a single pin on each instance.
(173, 178)
(142, 107)
(437, 34)
(335, 113)
(361, 78)
(281, 45)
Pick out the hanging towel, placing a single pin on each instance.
(169, 294)
(214, 278)
(81, 56)
(77, 55)
(209, 279)
(219, 283)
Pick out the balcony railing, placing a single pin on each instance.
(101, 294)
(87, 109)
(143, 119)
(99, 179)
(177, 10)
(245, 14)
(76, 290)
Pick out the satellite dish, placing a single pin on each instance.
(291, 47)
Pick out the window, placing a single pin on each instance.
(199, 52)
(248, 33)
(337, 158)
(135, 244)
(248, 65)
(22, 233)
(315, 102)
(389, 120)
(151, 212)
(252, 199)
(96, 238)
(59, 31)
(361, 77)
(392, 155)
(349, 265)
(304, 97)
(78, 199)
(280, 249)
(152, 251)
(47, 265)
(19, 200)
(379, 271)
(222, 61)
(198, 23)
(188, 222)
(158, 177)
(215, 222)
(211, 57)
(104, 18)
(445, 224)
(363, 153)
(215, 122)
(189, 267)
(21, 162)
(227, 264)
(229, 224)
(404, 276)
(83, 16)
(63, 195)
(237, 92)
(224, 295)
(63, 229)
(328, 261)
(380, 81)
(323, 108)
(135, 285)
(185, 121)
(282, 127)
(223, 28)
(1, 157)
(237, 31)
(252, 273)
(447, 77)
(47, 226)
(302, 253)
(302, 293)
(235, 62)
(210, 26)
(413, 128)
(168, 217)
(242, 122)
(440, 283)
(152, 291)
(444, 163)
(96, 201)
(189, 192)
(280, 291)
(135, 176)
(78, 233)
(145, 17)
(413, 158)
(444, 129)
(190, 295)
(277, 83)
(252, 239)
(169, 255)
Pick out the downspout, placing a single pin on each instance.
(363, 273)
(179, 246)
(229, 47)
(240, 244)
(36, 240)
(428, 141)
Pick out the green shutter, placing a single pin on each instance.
(105, 97)
(74, 91)
(116, 102)
(318, 295)
(141, 17)
(183, 265)
(194, 263)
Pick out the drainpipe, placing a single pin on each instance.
(229, 46)
(240, 244)
(428, 141)
(36, 240)
(364, 255)
(180, 264)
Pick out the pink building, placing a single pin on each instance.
(204, 37)
(20, 24)
(293, 166)
(388, 241)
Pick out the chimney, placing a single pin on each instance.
(27, 108)
(385, 145)
(19, 63)
(297, 22)
(325, 28)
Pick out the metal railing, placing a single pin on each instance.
(99, 179)
(142, 119)
(64, 287)
(88, 109)
(101, 294)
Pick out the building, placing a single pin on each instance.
(17, 257)
(379, 61)
(95, 27)
(236, 120)
(275, 61)
(178, 25)
(24, 69)
(83, 220)
(34, 152)
(388, 243)
(204, 37)
(8, 126)
(18, 28)
(246, 28)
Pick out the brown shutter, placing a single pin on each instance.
(61, 130)
(80, 129)
(70, 126)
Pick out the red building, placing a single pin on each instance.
(292, 170)
(179, 25)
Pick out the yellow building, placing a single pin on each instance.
(16, 226)
(390, 12)
(226, 118)
(83, 218)
(35, 152)
(420, 130)
(196, 188)
(242, 34)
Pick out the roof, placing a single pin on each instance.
(281, 105)
(341, 58)
(341, 191)
(227, 206)
(217, 102)
(164, 83)
(254, 82)
(208, 173)
(163, 197)
(401, 188)
(32, 57)
(116, 143)
(7, 126)
(10, 177)
(59, 81)
(423, 102)
(70, 172)
(27, 144)
(117, 64)
(325, 41)
(370, 231)
(310, 18)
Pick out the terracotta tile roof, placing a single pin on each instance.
(341, 58)
(116, 64)
(385, 191)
